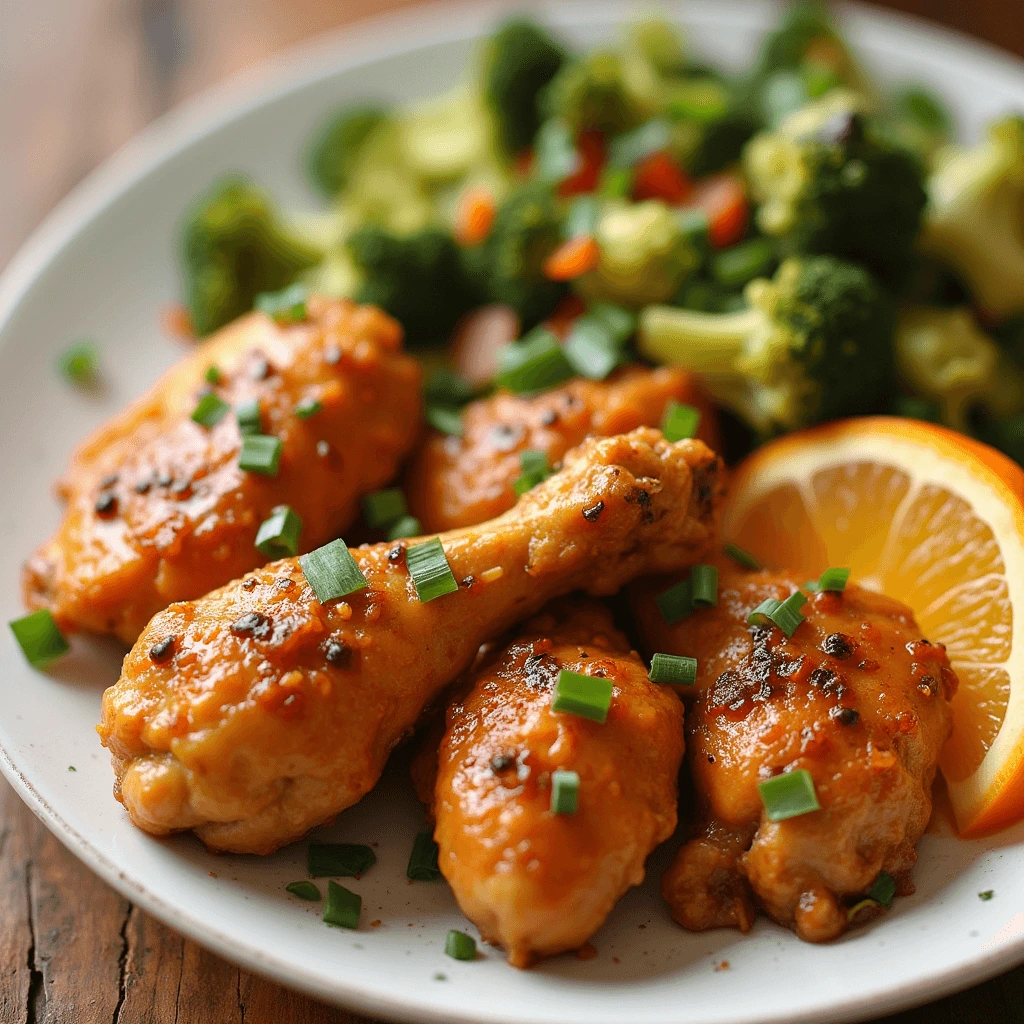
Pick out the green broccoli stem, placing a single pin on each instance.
(706, 343)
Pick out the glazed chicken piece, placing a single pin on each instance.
(857, 697)
(257, 712)
(460, 481)
(533, 881)
(158, 509)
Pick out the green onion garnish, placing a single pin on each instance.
(446, 387)
(429, 569)
(213, 375)
(741, 557)
(676, 602)
(565, 791)
(784, 614)
(382, 508)
(986, 895)
(209, 410)
(585, 696)
(285, 306)
(446, 418)
(248, 415)
(591, 348)
(80, 363)
(789, 795)
(260, 453)
(883, 889)
(422, 865)
(332, 571)
(343, 906)
(830, 579)
(339, 860)
(679, 421)
(304, 890)
(460, 946)
(536, 470)
(704, 585)
(39, 638)
(308, 407)
(407, 526)
(762, 614)
(675, 669)
(278, 536)
(533, 364)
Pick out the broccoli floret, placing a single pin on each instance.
(234, 246)
(339, 143)
(813, 345)
(645, 253)
(526, 230)
(942, 356)
(417, 278)
(975, 216)
(519, 60)
(827, 185)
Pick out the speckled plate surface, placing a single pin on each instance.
(102, 265)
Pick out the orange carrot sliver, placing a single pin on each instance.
(572, 259)
(474, 217)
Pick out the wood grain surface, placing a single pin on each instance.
(77, 79)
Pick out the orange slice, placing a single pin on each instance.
(934, 519)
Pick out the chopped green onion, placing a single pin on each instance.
(407, 526)
(308, 407)
(676, 602)
(382, 508)
(260, 453)
(460, 946)
(536, 470)
(429, 569)
(591, 348)
(675, 669)
(247, 414)
(883, 889)
(584, 696)
(339, 860)
(831, 579)
(80, 363)
(565, 791)
(343, 906)
(784, 614)
(762, 614)
(278, 536)
(986, 895)
(422, 865)
(581, 217)
(213, 375)
(679, 421)
(332, 571)
(704, 585)
(533, 364)
(304, 890)
(285, 306)
(209, 410)
(741, 557)
(789, 795)
(446, 387)
(40, 639)
(732, 268)
(446, 418)
(631, 147)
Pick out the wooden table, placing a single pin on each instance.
(78, 78)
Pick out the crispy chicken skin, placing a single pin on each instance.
(461, 481)
(856, 697)
(158, 509)
(535, 882)
(256, 712)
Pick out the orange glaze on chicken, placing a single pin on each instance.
(459, 481)
(257, 712)
(533, 881)
(856, 697)
(158, 509)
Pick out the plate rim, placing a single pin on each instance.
(358, 43)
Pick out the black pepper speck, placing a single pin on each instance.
(106, 505)
(162, 651)
(253, 624)
(593, 513)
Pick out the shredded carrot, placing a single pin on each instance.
(572, 259)
(658, 176)
(474, 216)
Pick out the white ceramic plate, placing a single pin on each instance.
(102, 265)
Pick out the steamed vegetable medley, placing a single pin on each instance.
(811, 244)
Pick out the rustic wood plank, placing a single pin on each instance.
(19, 832)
